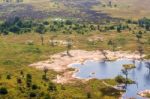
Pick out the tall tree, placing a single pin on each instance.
(45, 70)
(104, 54)
(28, 80)
(113, 44)
(41, 30)
(139, 36)
(125, 72)
(141, 51)
(69, 46)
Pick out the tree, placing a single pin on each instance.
(141, 51)
(120, 79)
(92, 27)
(32, 94)
(68, 22)
(34, 87)
(46, 23)
(89, 95)
(42, 39)
(8, 76)
(52, 41)
(41, 30)
(52, 87)
(112, 43)
(15, 29)
(19, 81)
(28, 80)
(69, 46)
(110, 4)
(4, 31)
(118, 29)
(147, 27)
(45, 70)
(22, 73)
(47, 96)
(125, 72)
(104, 54)
(139, 36)
(98, 27)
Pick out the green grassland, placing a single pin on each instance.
(20, 43)
(16, 55)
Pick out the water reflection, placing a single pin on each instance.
(147, 77)
(139, 65)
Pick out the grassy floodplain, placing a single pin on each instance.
(26, 40)
(16, 53)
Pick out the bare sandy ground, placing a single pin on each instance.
(60, 62)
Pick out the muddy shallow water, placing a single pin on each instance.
(107, 70)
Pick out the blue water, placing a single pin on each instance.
(111, 69)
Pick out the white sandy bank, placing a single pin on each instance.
(60, 62)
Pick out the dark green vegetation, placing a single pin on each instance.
(17, 26)
(129, 66)
(121, 80)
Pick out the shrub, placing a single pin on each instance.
(29, 42)
(28, 80)
(120, 79)
(32, 49)
(62, 87)
(8, 62)
(52, 87)
(3, 91)
(88, 95)
(34, 87)
(8, 76)
(47, 96)
(32, 94)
